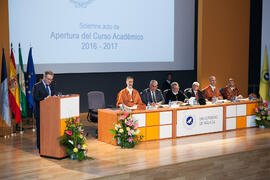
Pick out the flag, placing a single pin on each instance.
(4, 92)
(30, 80)
(264, 82)
(13, 90)
(22, 86)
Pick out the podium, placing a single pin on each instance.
(53, 113)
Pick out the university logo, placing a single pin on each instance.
(266, 76)
(189, 121)
(81, 3)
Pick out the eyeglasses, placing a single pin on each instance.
(49, 79)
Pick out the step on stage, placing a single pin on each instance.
(242, 154)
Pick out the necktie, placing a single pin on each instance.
(154, 98)
(47, 89)
(197, 96)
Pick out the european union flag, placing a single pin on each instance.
(30, 80)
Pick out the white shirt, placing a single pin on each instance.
(130, 91)
(213, 88)
(50, 92)
(168, 81)
(175, 93)
(195, 92)
(232, 88)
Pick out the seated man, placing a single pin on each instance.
(129, 96)
(211, 91)
(167, 84)
(195, 92)
(152, 95)
(174, 94)
(231, 90)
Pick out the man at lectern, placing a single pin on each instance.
(41, 90)
(129, 97)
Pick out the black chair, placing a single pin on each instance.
(165, 93)
(96, 100)
(187, 90)
(221, 90)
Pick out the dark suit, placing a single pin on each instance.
(166, 85)
(190, 93)
(39, 94)
(178, 97)
(147, 97)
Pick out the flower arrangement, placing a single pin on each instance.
(126, 131)
(262, 114)
(74, 140)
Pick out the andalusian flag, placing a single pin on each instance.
(30, 80)
(22, 85)
(14, 93)
(264, 83)
(4, 92)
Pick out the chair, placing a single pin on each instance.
(186, 92)
(165, 93)
(221, 91)
(96, 100)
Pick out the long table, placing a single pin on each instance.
(166, 123)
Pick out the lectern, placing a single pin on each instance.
(53, 113)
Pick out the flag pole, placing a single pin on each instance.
(33, 119)
(21, 128)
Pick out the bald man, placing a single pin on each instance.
(212, 91)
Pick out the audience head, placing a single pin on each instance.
(129, 82)
(231, 82)
(169, 76)
(153, 85)
(195, 86)
(175, 87)
(212, 80)
(48, 77)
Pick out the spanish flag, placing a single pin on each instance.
(264, 83)
(13, 90)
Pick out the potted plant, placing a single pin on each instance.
(126, 131)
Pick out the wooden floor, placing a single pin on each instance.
(19, 158)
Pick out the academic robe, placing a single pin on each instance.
(125, 98)
(228, 93)
(209, 94)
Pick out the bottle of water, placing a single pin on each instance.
(170, 103)
(194, 101)
(148, 106)
(214, 100)
(122, 107)
(232, 99)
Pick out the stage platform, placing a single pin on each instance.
(242, 154)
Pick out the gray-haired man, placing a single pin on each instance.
(152, 95)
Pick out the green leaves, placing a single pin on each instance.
(74, 140)
(125, 131)
(113, 131)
